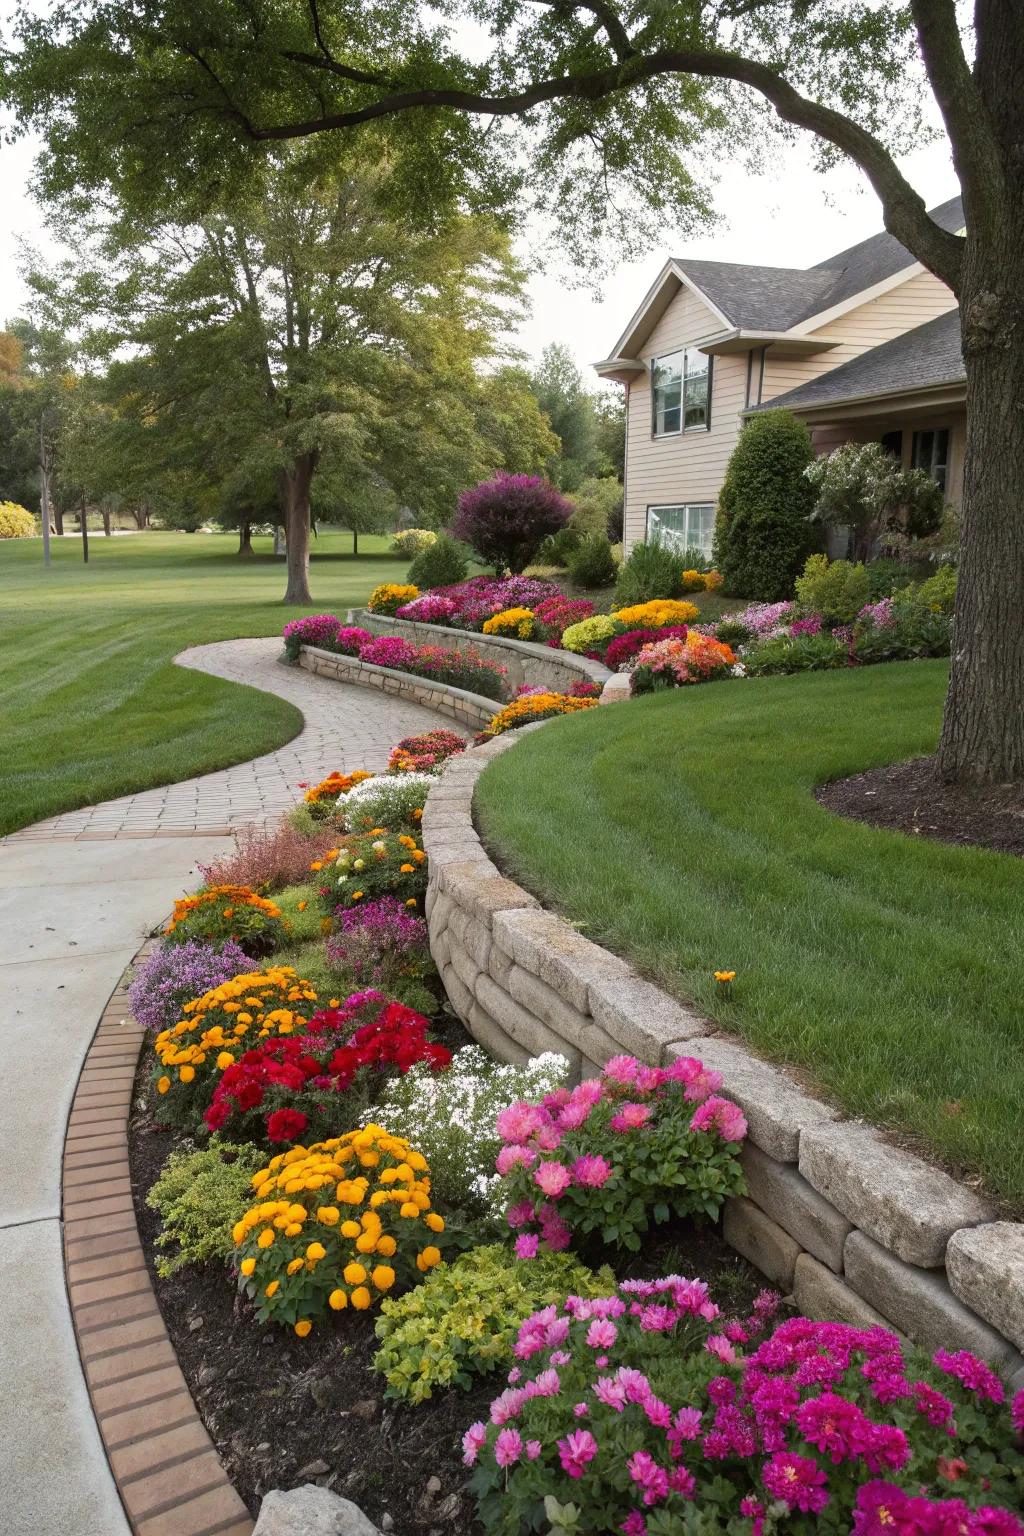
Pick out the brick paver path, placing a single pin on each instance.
(345, 728)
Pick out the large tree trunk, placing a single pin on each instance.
(295, 485)
(245, 539)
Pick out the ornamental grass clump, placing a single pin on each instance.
(462, 1321)
(676, 663)
(381, 944)
(337, 1224)
(645, 1420)
(175, 973)
(455, 1113)
(371, 865)
(270, 860)
(215, 1029)
(425, 752)
(619, 1152)
(390, 596)
(226, 912)
(309, 1085)
(533, 706)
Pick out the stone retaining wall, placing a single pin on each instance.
(853, 1227)
(529, 665)
(468, 709)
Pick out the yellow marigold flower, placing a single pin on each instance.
(386, 1246)
(163, 1084)
(266, 1237)
(725, 975)
(367, 1243)
(316, 1251)
(225, 1060)
(293, 1229)
(406, 869)
(338, 1300)
(431, 1256)
(349, 1229)
(303, 1326)
(317, 864)
(434, 1221)
(186, 1074)
(328, 1215)
(417, 1161)
(302, 907)
(383, 1277)
(357, 895)
(408, 1209)
(273, 1288)
(247, 1266)
(361, 1298)
(295, 1266)
(353, 1274)
(411, 902)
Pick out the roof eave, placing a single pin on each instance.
(952, 391)
(782, 343)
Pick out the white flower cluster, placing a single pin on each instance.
(387, 799)
(450, 1116)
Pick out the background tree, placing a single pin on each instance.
(763, 532)
(620, 101)
(569, 407)
(505, 520)
(866, 490)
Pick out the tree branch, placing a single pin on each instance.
(904, 211)
(975, 151)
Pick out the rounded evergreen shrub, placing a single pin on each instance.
(764, 532)
(440, 564)
(592, 563)
(652, 572)
(15, 521)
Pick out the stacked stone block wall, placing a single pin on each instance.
(852, 1226)
(472, 710)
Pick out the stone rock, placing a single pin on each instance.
(464, 966)
(547, 946)
(499, 966)
(459, 995)
(777, 1111)
(477, 941)
(545, 1002)
(641, 1017)
(366, 1408)
(490, 1034)
(985, 1266)
(907, 1206)
(821, 1294)
(316, 1468)
(524, 1027)
(597, 1046)
(920, 1302)
(483, 895)
(761, 1241)
(311, 1511)
(788, 1199)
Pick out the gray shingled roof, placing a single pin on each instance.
(929, 354)
(774, 298)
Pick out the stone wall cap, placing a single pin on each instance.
(902, 1202)
(985, 1265)
(778, 1112)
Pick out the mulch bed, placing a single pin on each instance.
(284, 1411)
(909, 797)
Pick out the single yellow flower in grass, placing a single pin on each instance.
(725, 976)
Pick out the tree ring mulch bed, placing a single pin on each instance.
(910, 797)
(284, 1411)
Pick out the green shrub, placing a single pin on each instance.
(15, 521)
(557, 548)
(834, 588)
(886, 576)
(764, 533)
(598, 506)
(652, 570)
(799, 653)
(441, 564)
(463, 1320)
(199, 1196)
(593, 564)
(732, 632)
(412, 541)
(938, 593)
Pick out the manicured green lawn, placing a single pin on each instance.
(90, 704)
(680, 830)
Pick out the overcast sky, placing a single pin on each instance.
(793, 218)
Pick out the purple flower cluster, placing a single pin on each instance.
(468, 604)
(431, 608)
(380, 943)
(315, 629)
(810, 626)
(176, 973)
(883, 1509)
(880, 615)
(764, 619)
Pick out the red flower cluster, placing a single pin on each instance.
(292, 1081)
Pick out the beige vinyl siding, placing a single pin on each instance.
(687, 466)
(903, 308)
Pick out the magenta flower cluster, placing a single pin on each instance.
(578, 1160)
(380, 943)
(645, 1400)
(468, 604)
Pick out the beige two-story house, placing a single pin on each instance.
(864, 345)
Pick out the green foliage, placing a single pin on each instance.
(888, 575)
(937, 593)
(592, 563)
(557, 548)
(801, 653)
(652, 571)
(590, 634)
(441, 564)
(861, 487)
(598, 506)
(15, 521)
(763, 533)
(462, 1321)
(569, 406)
(199, 1196)
(834, 588)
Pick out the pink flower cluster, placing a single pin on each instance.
(431, 608)
(883, 1509)
(467, 604)
(557, 613)
(880, 615)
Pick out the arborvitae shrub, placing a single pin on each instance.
(764, 533)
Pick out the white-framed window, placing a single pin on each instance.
(680, 392)
(688, 525)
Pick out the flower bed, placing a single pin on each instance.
(465, 669)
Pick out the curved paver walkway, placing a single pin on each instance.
(77, 896)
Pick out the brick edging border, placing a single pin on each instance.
(164, 1464)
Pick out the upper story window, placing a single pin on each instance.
(680, 392)
(930, 452)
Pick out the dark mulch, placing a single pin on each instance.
(909, 797)
(284, 1411)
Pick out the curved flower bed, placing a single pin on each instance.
(465, 669)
